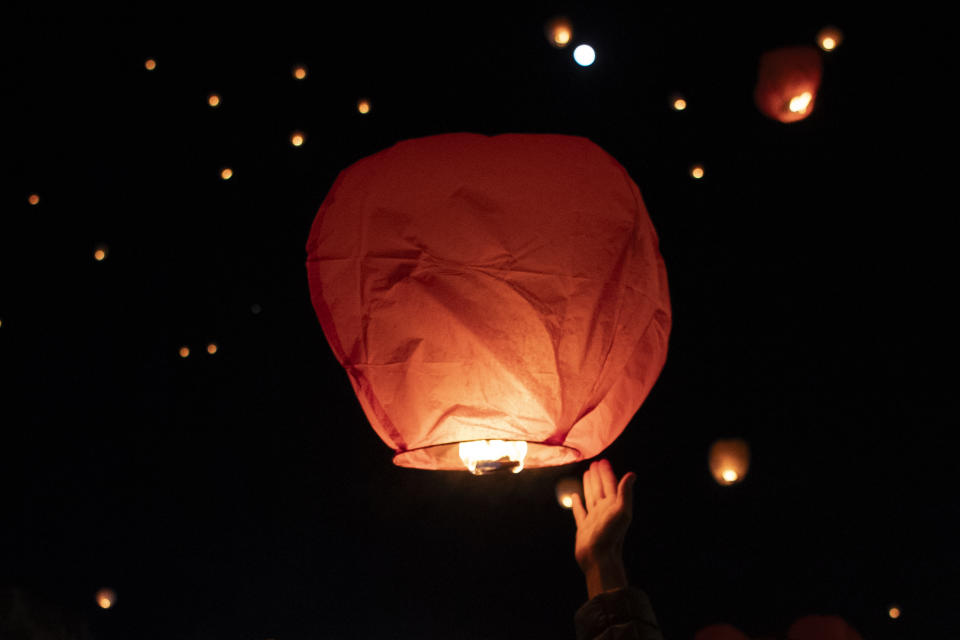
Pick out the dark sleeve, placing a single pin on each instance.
(623, 614)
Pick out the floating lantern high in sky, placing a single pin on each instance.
(567, 488)
(729, 460)
(497, 302)
(829, 38)
(787, 83)
(106, 598)
(559, 32)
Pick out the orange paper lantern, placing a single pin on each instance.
(720, 632)
(729, 460)
(506, 289)
(787, 83)
(822, 628)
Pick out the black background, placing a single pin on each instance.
(244, 494)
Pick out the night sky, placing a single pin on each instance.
(244, 495)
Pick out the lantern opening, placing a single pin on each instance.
(800, 103)
(490, 456)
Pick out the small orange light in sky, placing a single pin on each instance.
(363, 106)
(106, 598)
(150, 64)
(829, 38)
(894, 612)
(297, 138)
(697, 172)
(227, 173)
(679, 104)
(100, 254)
(729, 460)
(212, 348)
(565, 490)
(33, 199)
(559, 32)
(300, 72)
(213, 100)
(184, 352)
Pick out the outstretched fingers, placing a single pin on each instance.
(579, 513)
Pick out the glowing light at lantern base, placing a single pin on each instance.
(482, 457)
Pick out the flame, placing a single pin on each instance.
(730, 475)
(800, 103)
(567, 501)
(486, 456)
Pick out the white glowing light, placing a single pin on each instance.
(800, 103)
(487, 456)
(730, 475)
(584, 55)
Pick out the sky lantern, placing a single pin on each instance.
(894, 612)
(829, 38)
(106, 598)
(729, 460)
(33, 199)
(363, 105)
(567, 488)
(150, 64)
(822, 628)
(498, 303)
(787, 83)
(559, 32)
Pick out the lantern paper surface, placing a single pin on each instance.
(720, 632)
(507, 287)
(822, 628)
(787, 83)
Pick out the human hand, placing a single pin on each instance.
(602, 526)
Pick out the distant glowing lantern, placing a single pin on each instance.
(559, 32)
(729, 460)
(498, 302)
(893, 612)
(106, 598)
(679, 104)
(584, 55)
(150, 64)
(297, 138)
(300, 72)
(720, 632)
(226, 173)
(212, 348)
(829, 38)
(363, 106)
(213, 100)
(696, 171)
(100, 253)
(787, 83)
(33, 199)
(184, 352)
(822, 628)
(567, 488)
